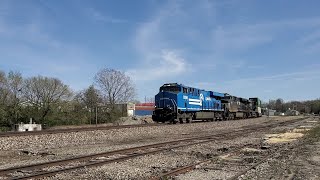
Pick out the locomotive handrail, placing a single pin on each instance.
(174, 104)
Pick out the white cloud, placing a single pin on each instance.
(98, 16)
(196, 42)
(159, 60)
(229, 39)
(169, 64)
(310, 43)
(178, 41)
(158, 41)
(147, 40)
(312, 48)
(310, 37)
(303, 75)
(236, 39)
(35, 45)
(29, 48)
(289, 86)
(210, 46)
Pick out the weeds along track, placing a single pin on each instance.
(65, 165)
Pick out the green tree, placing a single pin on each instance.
(3, 97)
(10, 97)
(90, 98)
(279, 105)
(14, 87)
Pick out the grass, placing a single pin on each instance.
(4, 129)
(314, 133)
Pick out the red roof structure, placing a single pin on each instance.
(145, 106)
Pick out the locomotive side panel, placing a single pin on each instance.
(176, 102)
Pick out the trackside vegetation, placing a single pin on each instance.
(51, 102)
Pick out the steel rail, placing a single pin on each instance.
(204, 139)
(185, 169)
(56, 131)
(264, 159)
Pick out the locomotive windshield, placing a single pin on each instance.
(174, 89)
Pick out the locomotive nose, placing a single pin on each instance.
(166, 107)
(165, 100)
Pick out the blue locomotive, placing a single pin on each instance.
(178, 103)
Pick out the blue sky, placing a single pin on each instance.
(248, 48)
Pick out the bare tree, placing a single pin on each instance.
(115, 85)
(44, 92)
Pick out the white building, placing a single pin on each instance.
(28, 127)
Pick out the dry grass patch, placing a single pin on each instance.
(283, 137)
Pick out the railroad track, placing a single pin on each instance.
(56, 131)
(39, 170)
(190, 167)
(262, 160)
(28, 133)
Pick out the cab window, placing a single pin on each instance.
(185, 90)
(174, 89)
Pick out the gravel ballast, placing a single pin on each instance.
(50, 147)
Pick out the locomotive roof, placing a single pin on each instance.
(211, 92)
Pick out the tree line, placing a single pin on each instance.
(309, 106)
(47, 100)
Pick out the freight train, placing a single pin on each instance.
(178, 103)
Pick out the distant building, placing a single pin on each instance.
(292, 113)
(28, 127)
(125, 109)
(144, 109)
(271, 112)
(130, 109)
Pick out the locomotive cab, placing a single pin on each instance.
(166, 102)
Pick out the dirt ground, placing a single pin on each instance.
(291, 151)
(121, 121)
(297, 160)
